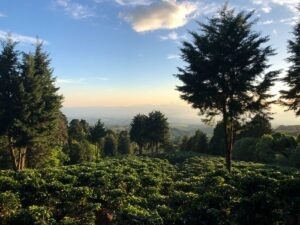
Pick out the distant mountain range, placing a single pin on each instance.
(293, 130)
(178, 115)
(182, 118)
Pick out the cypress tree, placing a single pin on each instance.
(291, 97)
(29, 102)
(226, 71)
(9, 83)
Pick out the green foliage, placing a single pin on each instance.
(124, 146)
(138, 131)
(9, 205)
(245, 149)
(80, 151)
(264, 151)
(79, 129)
(151, 191)
(157, 129)
(196, 143)
(294, 159)
(29, 102)
(216, 144)
(256, 128)
(97, 132)
(110, 145)
(152, 130)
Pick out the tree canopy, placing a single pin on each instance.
(226, 71)
(29, 102)
(291, 97)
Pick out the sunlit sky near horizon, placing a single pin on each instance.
(125, 52)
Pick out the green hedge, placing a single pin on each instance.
(197, 190)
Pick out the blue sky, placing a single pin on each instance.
(124, 52)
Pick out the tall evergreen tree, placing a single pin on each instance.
(226, 72)
(291, 97)
(9, 83)
(39, 105)
(29, 102)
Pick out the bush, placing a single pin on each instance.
(244, 149)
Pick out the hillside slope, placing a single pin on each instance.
(197, 190)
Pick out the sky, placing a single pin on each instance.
(125, 52)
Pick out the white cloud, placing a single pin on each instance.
(70, 81)
(275, 32)
(170, 36)
(267, 4)
(163, 14)
(81, 80)
(290, 21)
(20, 38)
(266, 9)
(267, 22)
(133, 2)
(75, 10)
(2, 15)
(173, 56)
(173, 36)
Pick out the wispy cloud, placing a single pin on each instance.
(75, 10)
(2, 14)
(70, 81)
(20, 38)
(80, 80)
(170, 36)
(173, 56)
(290, 21)
(161, 14)
(267, 22)
(133, 2)
(267, 5)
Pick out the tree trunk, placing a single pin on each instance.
(141, 150)
(24, 153)
(227, 140)
(12, 154)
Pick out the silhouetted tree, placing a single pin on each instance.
(157, 129)
(257, 127)
(124, 147)
(110, 145)
(226, 74)
(291, 97)
(97, 132)
(198, 142)
(184, 143)
(138, 131)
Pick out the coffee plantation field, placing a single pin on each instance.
(183, 190)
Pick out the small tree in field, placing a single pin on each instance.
(226, 71)
(138, 131)
(291, 97)
(157, 129)
(124, 145)
(97, 132)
